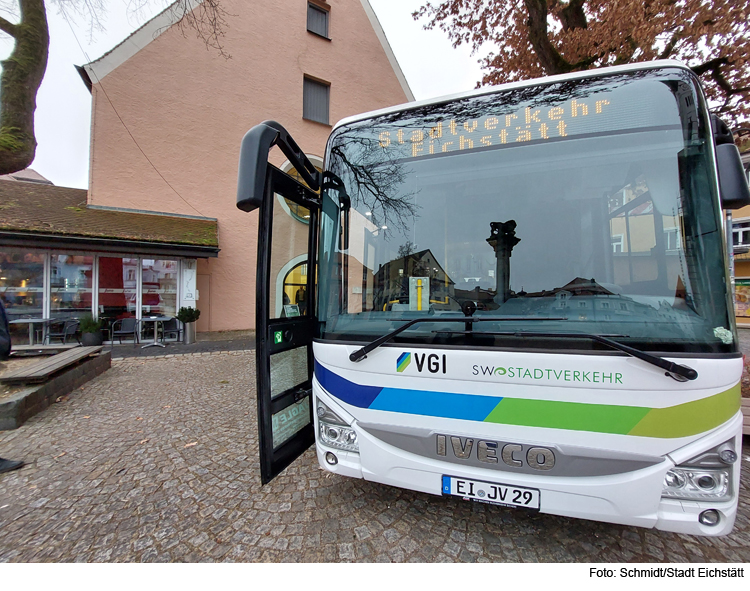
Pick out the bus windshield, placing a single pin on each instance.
(585, 206)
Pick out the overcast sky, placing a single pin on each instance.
(431, 66)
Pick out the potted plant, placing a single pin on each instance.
(91, 331)
(188, 316)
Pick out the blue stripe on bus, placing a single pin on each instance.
(447, 405)
(435, 404)
(343, 389)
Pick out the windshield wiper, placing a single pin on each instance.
(681, 373)
(678, 372)
(361, 354)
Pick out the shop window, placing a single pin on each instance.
(71, 285)
(22, 284)
(118, 288)
(158, 287)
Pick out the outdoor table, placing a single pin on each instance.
(156, 320)
(31, 322)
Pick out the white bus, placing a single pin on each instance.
(517, 295)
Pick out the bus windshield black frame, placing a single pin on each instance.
(578, 206)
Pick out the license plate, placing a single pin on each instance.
(489, 492)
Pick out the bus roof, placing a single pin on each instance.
(653, 65)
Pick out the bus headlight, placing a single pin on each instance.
(696, 484)
(333, 430)
(706, 477)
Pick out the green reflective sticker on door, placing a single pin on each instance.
(277, 338)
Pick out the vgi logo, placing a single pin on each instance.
(403, 362)
(432, 362)
(538, 458)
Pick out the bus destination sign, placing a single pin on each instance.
(564, 120)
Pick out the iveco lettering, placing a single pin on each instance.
(516, 296)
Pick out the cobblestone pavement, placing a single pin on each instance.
(156, 460)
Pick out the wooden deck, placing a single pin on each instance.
(40, 371)
(746, 418)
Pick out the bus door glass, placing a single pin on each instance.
(286, 283)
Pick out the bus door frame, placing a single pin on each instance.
(258, 184)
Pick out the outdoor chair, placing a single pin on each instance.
(171, 327)
(124, 327)
(65, 329)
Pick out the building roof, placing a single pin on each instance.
(26, 175)
(41, 215)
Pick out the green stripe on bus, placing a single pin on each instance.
(690, 418)
(681, 420)
(573, 416)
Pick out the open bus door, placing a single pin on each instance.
(285, 302)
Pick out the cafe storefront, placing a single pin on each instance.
(78, 259)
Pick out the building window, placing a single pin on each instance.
(295, 291)
(118, 288)
(298, 212)
(159, 287)
(317, 20)
(672, 238)
(22, 284)
(615, 201)
(315, 100)
(741, 234)
(71, 285)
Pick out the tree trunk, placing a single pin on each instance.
(549, 58)
(21, 77)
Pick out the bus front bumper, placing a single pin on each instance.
(633, 498)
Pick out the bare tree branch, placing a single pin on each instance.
(8, 27)
(207, 20)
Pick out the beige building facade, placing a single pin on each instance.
(168, 116)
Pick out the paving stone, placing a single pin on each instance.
(156, 461)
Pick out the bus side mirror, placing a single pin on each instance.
(732, 180)
(251, 179)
